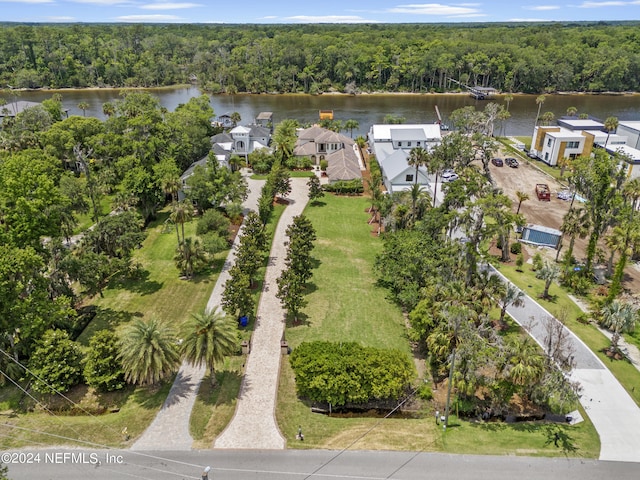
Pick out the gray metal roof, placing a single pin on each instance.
(407, 134)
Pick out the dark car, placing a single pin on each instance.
(497, 162)
(511, 162)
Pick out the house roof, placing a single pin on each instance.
(580, 124)
(343, 165)
(218, 149)
(222, 138)
(382, 132)
(396, 164)
(305, 149)
(407, 134)
(630, 125)
(632, 154)
(189, 171)
(240, 129)
(265, 116)
(259, 131)
(311, 133)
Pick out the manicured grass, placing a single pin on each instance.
(160, 293)
(214, 406)
(561, 306)
(344, 302)
(85, 220)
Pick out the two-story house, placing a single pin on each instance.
(392, 145)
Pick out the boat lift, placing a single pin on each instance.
(479, 93)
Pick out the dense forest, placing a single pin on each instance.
(530, 58)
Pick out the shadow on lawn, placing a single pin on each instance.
(139, 283)
(554, 433)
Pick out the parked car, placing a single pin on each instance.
(511, 162)
(449, 176)
(497, 162)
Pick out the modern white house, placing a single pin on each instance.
(631, 130)
(248, 138)
(392, 145)
(339, 151)
(551, 143)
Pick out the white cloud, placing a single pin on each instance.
(169, 6)
(437, 9)
(149, 18)
(61, 19)
(541, 8)
(269, 17)
(605, 4)
(329, 19)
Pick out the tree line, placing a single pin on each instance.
(514, 57)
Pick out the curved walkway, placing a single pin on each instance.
(614, 414)
(170, 429)
(253, 425)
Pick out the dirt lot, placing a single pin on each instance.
(549, 214)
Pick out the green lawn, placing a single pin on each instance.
(345, 305)
(85, 220)
(344, 302)
(160, 293)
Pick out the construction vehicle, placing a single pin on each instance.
(543, 192)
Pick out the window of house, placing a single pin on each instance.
(418, 143)
(546, 157)
(573, 144)
(322, 147)
(549, 142)
(408, 144)
(409, 178)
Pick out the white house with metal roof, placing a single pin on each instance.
(631, 130)
(392, 145)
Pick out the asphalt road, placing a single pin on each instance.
(76, 464)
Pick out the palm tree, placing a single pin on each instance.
(571, 111)
(522, 197)
(508, 98)
(418, 157)
(208, 338)
(190, 256)
(512, 296)
(631, 191)
(549, 272)
(525, 363)
(148, 352)
(284, 138)
(181, 212)
(83, 106)
(235, 118)
(610, 125)
(351, 125)
(539, 101)
(618, 317)
(417, 192)
(108, 108)
(625, 238)
(547, 118)
(575, 223)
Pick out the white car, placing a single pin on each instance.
(449, 176)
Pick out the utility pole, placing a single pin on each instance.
(446, 410)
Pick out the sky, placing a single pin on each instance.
(310, 11)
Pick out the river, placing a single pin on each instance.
(366, 109)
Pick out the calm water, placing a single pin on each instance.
(366, 109)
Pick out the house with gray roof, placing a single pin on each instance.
(340, 152)
(392, 145)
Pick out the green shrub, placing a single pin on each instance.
(55, 363)
(348, 373)
(425, 393)
(323, 165)
(516, 248)
(212, 221)
(102, 367)
(538, 262)
(345, 187)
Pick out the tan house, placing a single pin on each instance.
(340, 152)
